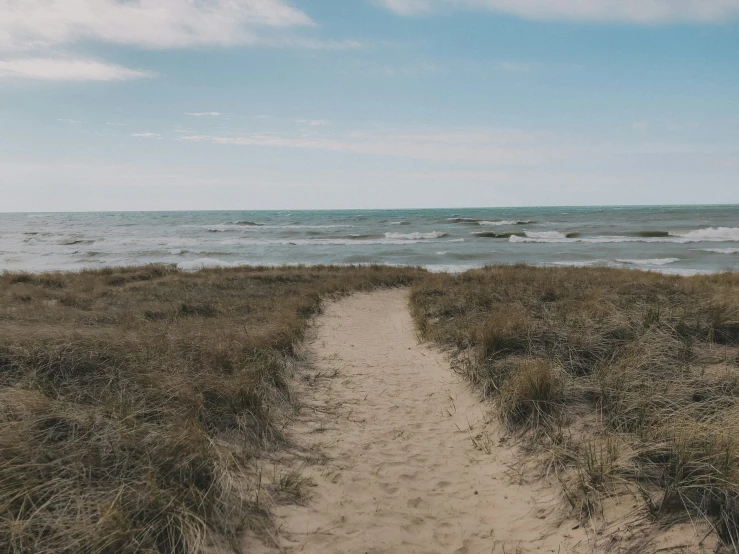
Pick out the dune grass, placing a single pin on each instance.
(624, 378)
(131, 401)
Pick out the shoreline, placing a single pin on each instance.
(207, 264)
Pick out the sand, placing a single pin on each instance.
(403, 457)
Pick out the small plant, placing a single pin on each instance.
(532, 395)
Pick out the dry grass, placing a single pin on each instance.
(132, 399)
(626, 378)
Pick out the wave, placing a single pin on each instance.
(650, 261)
(78, 241)
(399, 223)
(494, 235)
(203, 263)
(650, 234)
(656, 268)
(449, 268)
(491, 223)
(329, 241)
(722, 250)
(671, 238)
(235, 227)
(711, 234)
(517, 222)
(415, 236)
(580, 263)
(545, 235)
(249, 223)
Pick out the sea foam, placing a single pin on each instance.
(203, 263)
(710, 234)
(415, 236)
(650, 261)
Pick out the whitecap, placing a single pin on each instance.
(722, 250)
(518, 222)
(415, 236)
(203, 263)
(443, 268)
(545, 235)
(650, 261)
(710, 234)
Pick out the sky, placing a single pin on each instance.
(328, 104)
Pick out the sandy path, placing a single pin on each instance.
(399, 431)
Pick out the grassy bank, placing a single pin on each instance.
(625, 380)
(132, 399)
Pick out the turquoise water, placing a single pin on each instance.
(672, 239)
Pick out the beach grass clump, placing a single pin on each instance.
(533, 392)
(132, 400)
(628, 377)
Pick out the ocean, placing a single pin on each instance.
(672, 239)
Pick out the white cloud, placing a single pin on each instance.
(408, 7)
(70, 121)
(203, 114)
(639, 126)
(633, 11)
(481, 147)
(147, 135)
(31, 24)
(61, 69)
(312, 122)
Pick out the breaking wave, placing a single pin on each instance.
(518, 222)
(415, 236)
(651, 261)
(722, 250)
(711, 234)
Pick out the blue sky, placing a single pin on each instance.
(272, 104)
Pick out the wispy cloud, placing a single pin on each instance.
(147, 135)
(501, 147)
(203, 114)
(314, 44)
(633, 11)
(31, 24)
(312, 122)
(70, 121)
(640, 126)
(62, 69)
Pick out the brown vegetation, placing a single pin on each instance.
(131, 400)
(628, 380)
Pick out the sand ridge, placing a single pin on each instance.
(412, 461)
